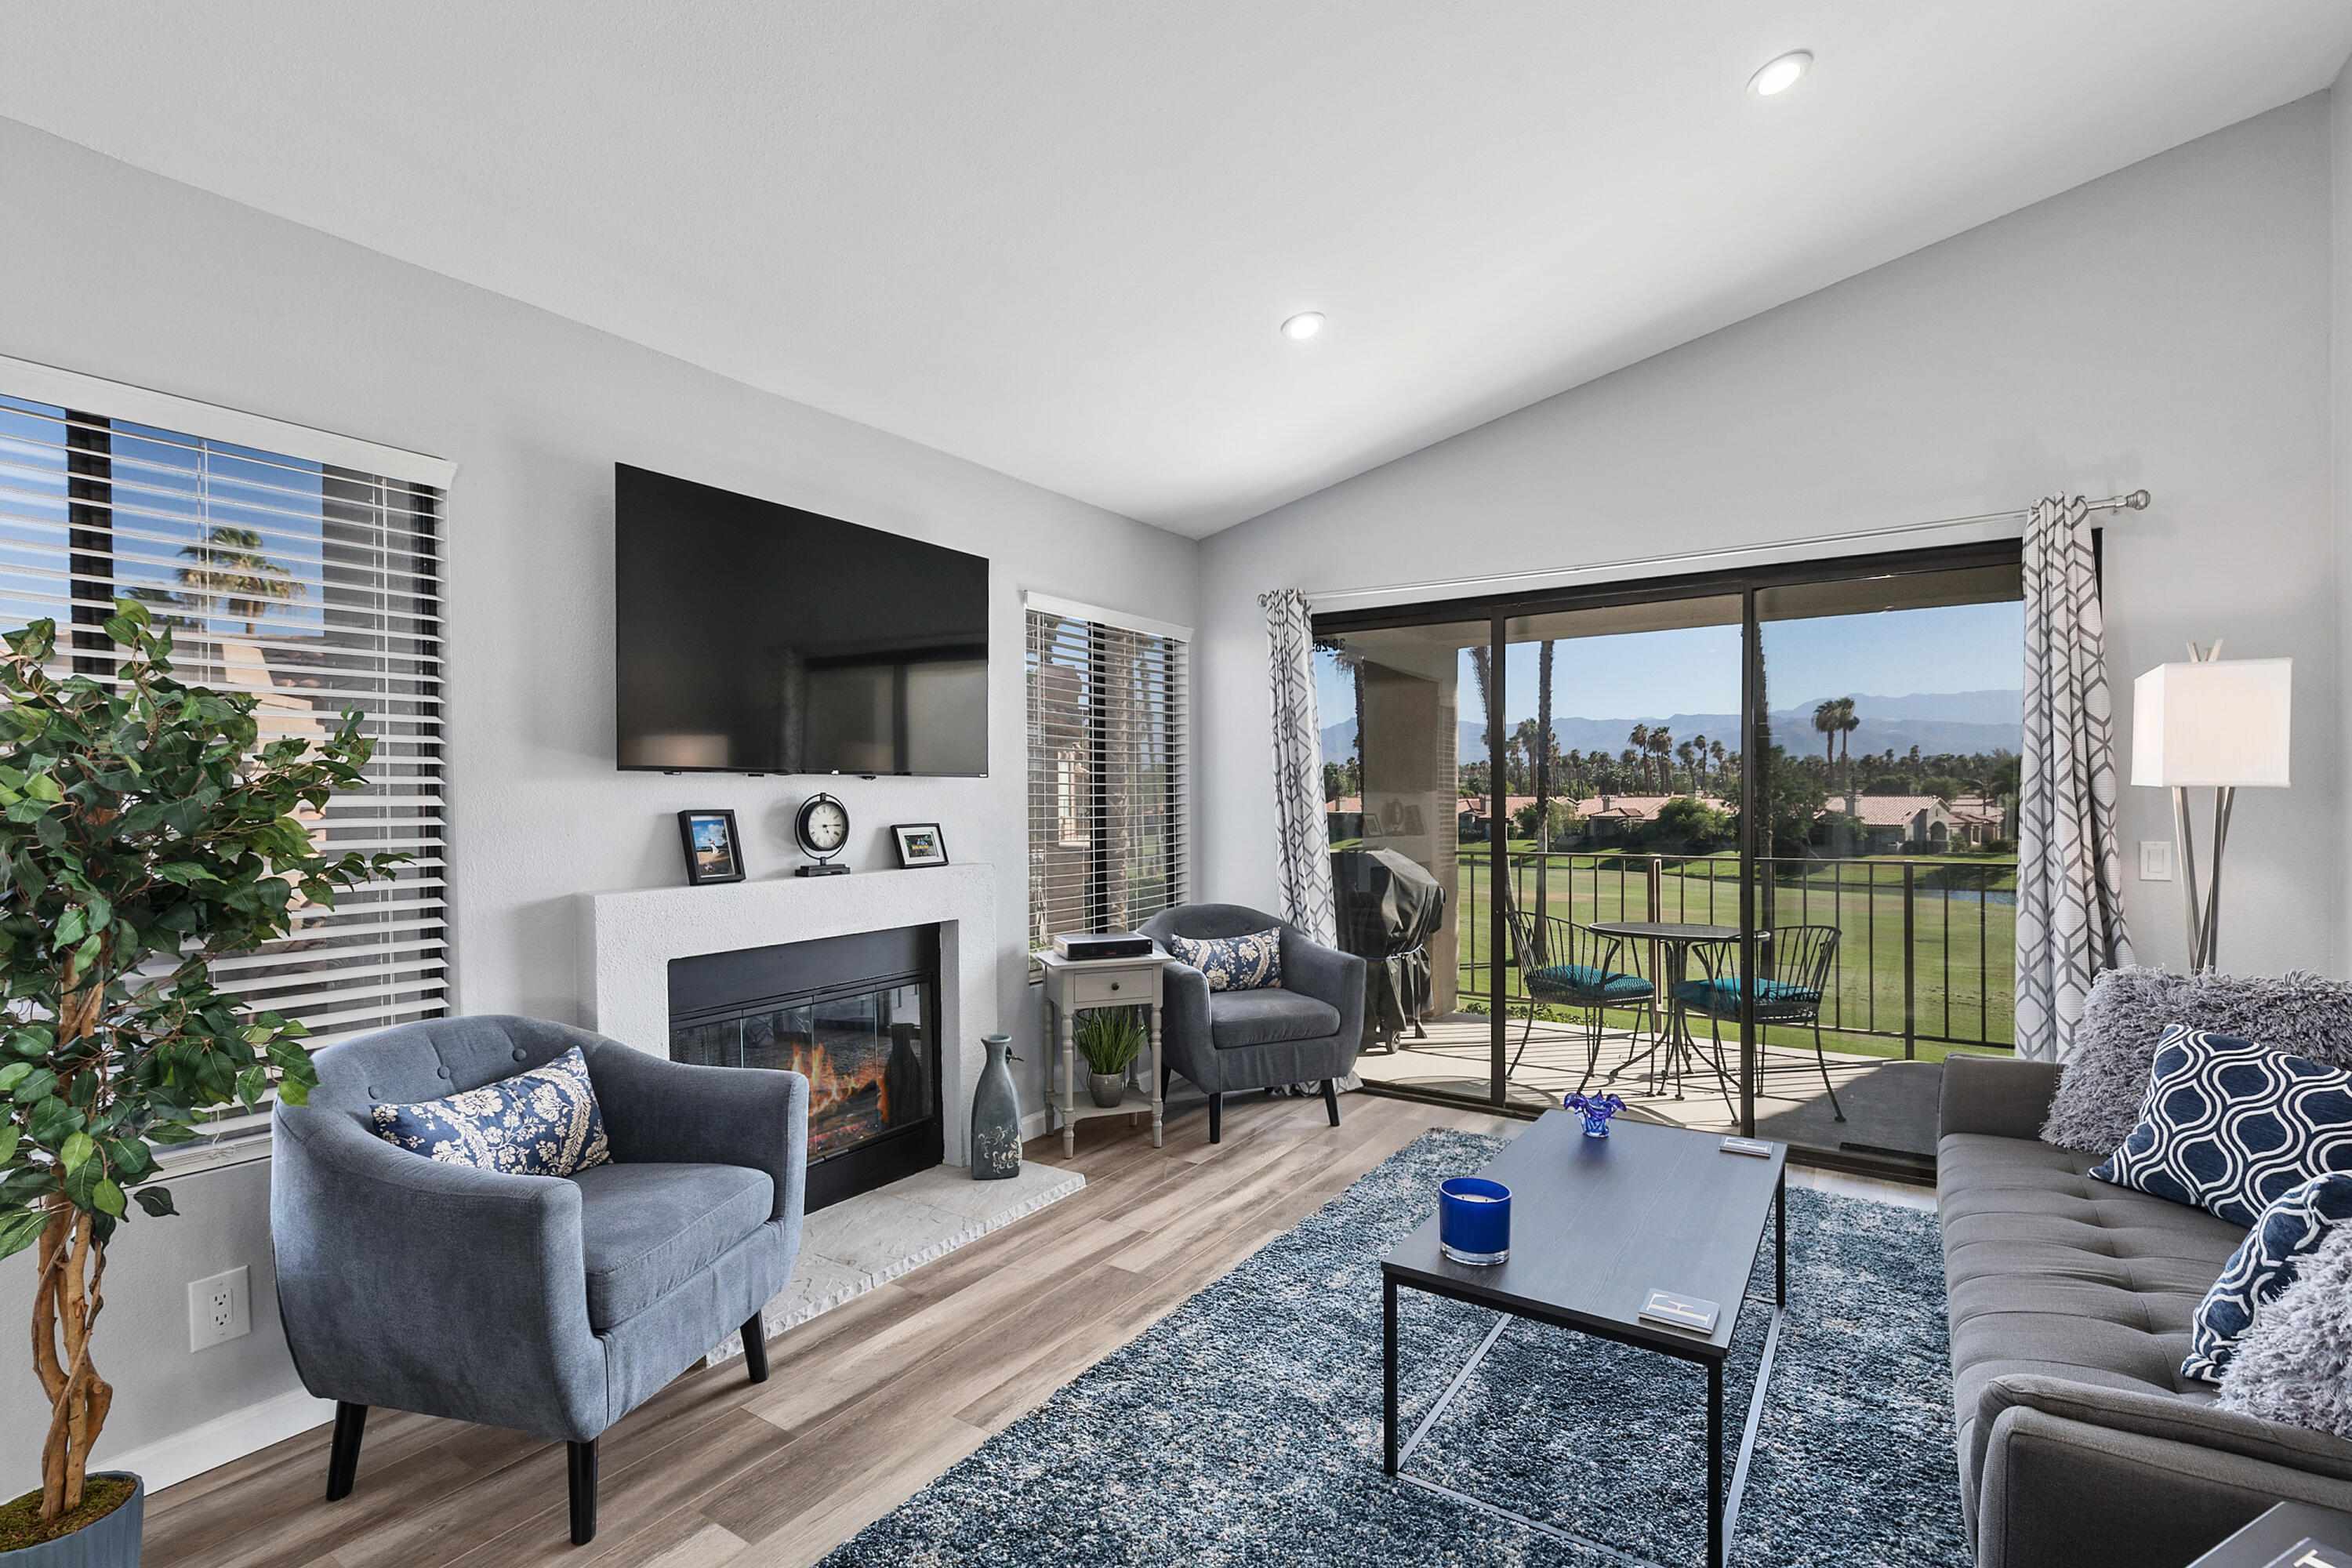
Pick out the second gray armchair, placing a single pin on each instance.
(1308, 1027)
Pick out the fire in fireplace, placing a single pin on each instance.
(856, 1015)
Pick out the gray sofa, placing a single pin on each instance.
(2071, 1300)
(552, 1305)
(1308, 1027)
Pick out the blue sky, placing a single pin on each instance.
(169, 492)
(1652, 675)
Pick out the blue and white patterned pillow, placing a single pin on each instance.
(2289, 1231)
(2230, 1126)
(1250, 962)
(543, 1122)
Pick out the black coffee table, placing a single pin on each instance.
(1597, 1224)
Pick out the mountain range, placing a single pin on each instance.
(1966, 722)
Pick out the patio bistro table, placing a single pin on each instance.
(1676, 1049)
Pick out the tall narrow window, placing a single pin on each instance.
(311, 586)
(1107, 721)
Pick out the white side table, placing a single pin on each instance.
(1072, 985)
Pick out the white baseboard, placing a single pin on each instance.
(170, 1460)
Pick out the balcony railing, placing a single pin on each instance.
(1928, 956)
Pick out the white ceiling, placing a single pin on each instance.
(1056, 237)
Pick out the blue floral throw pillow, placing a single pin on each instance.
(2289, 1231)
(2230, 1126)
(543, 1122)
(1250, 962)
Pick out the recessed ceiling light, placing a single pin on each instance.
(1303, 326)
(1780, 75)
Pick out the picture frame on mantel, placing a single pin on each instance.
(714, 848)
(919, 844)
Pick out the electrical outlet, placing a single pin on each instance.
(217, 1309)
(2154, 860)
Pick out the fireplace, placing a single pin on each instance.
(857, 1015)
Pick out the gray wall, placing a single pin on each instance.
(123, 274)
(2166, 326)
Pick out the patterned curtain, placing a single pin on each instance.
(1305, 836)
(2069, 910)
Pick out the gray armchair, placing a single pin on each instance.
(551, 1305)
(1308, 1027)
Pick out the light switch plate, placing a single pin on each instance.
(218, 1309)
(2156, 860)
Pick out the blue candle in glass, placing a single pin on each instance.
(1473, 1220)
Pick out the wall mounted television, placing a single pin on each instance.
(756, 638)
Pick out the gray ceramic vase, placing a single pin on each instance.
(1107, 1088)
(109, 1542)
(995, 1117)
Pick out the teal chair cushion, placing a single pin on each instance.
(1774, 998)
(1586, 983)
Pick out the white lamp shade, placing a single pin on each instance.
(2220, 723)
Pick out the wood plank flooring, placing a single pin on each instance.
(868, 1403)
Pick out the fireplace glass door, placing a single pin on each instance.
(863, 1053)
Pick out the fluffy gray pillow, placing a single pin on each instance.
(2097, 1102)
(2296, 1363)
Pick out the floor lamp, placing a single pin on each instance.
(2210, 724)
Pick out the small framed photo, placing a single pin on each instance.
(919, 844)
(714, 850)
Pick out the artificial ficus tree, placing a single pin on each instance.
(146, 829)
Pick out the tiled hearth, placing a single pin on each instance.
(871, 1240)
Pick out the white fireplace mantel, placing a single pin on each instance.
(627, 940)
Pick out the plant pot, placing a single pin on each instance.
(110, 1540)
(1106, 1088)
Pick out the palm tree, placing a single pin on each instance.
(1848, 723)
(1698, 774)
(1714, 751)
(1662, 746)
(231, 574)
(1688, 753)
(1640, 741)
(1827, 721)
(1478, 669)
(1543, 778)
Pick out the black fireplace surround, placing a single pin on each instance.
(858, 1016)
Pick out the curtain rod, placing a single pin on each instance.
(2136, 501)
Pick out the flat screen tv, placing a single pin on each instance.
(754, 637)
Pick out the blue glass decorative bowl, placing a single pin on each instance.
(1596, 1109)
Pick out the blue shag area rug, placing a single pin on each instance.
(1243, 1429)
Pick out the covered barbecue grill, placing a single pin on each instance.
(1388, 907)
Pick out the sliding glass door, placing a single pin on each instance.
(1564, 829)
(1894, 705)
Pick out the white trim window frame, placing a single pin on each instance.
(1108, 761)
(294, 565)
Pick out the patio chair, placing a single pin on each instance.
(1796, 962)
(1563, 965)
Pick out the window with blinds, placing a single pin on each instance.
(313, 588)
(1106, 736)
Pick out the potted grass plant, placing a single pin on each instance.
(146, 829)
(1109, 1038)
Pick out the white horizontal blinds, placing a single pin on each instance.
(1106, 808)
(313, 588)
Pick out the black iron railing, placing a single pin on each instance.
(1928, 950)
